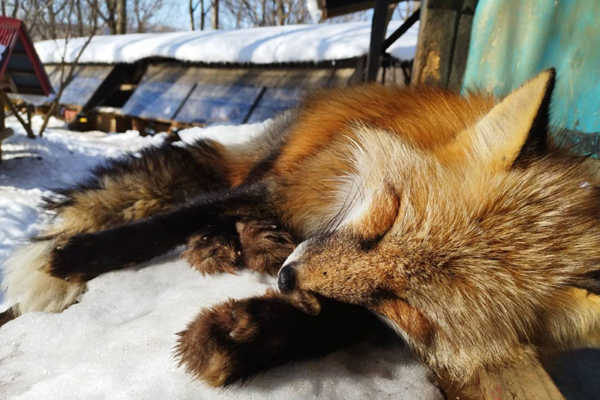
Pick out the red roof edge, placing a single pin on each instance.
(20, 31)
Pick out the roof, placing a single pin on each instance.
(310, 43)
(20, 68)
(323, 9)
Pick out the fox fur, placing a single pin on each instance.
(449, 217)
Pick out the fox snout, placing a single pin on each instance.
(286, 280)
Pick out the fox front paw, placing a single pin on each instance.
(214, 345)
(237, 339)
(209, 253)
(265, 245)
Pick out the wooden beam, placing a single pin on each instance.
(378, 28)
(334, 8)
(528, 381)
(442, 48)
(406, 25)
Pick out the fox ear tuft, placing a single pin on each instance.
(498, 138)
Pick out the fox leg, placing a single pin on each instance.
(123, 191)
(239, 338)
(88, 255)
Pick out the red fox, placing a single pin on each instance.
(450, 218)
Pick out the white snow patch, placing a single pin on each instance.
(277, 44)
(117, 342)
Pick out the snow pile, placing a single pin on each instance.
(117, 342)
(276, 44)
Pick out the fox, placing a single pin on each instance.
(455, 220)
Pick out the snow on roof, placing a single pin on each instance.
(280, 44)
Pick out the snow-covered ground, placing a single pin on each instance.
(117, 342)
(266, 45)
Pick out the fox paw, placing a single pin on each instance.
(237, 339)
(69, 260)
(265, 246)
(211, 348)
(210, 254)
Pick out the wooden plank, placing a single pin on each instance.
(434, 48)
(406, 25)
(528, 381)
(461, 51)
(334, 8)
(443, 46)
(378, 28)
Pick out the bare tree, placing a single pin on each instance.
(215, 14)
(10, 8)
(266, 12)
(192, 11)
(193, 6)
(106, 11)
(143, 13)
(121, 16)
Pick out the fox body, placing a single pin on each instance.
(448, 217)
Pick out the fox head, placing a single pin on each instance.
(467, 252)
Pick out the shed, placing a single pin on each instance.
(154, 81)
(21, 71)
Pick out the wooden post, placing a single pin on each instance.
(4, 131)
(378, 28)
(444, 36)
(528, 381)
(2, 124)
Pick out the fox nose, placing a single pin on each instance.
(286, 281)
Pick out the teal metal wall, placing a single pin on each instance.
(513, 40)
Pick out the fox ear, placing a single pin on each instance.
(498, 138)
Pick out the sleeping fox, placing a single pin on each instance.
(450, 218)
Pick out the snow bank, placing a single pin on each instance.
(277, 44)
(117, 342)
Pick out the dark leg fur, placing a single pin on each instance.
(240, 338)
(88, 255)
(171, 174)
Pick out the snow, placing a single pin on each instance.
(117, 341)
(276, 44)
